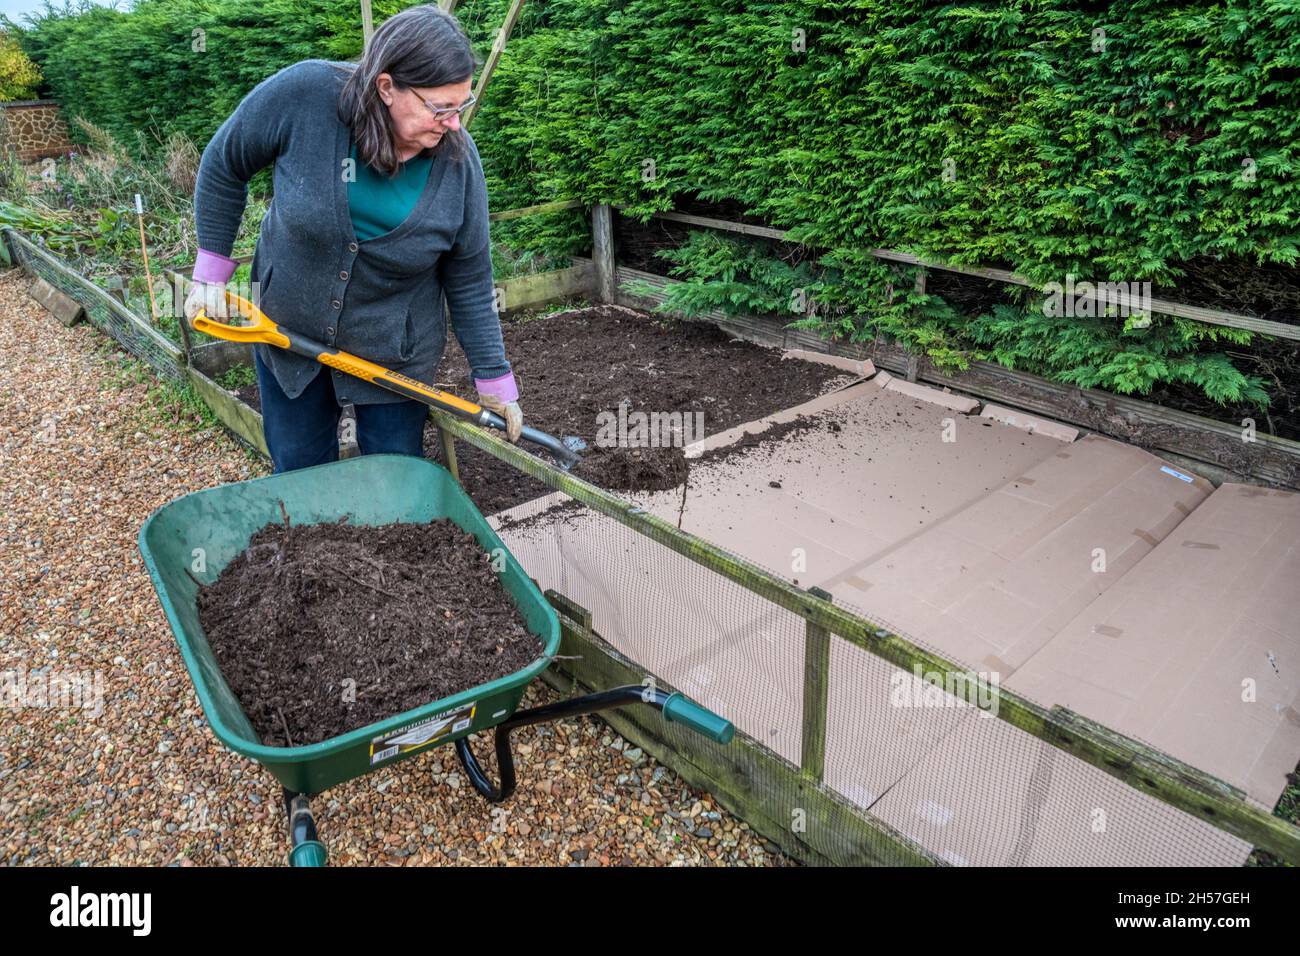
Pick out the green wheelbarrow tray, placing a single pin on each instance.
(192, 539)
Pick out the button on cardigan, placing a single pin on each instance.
(379, 298)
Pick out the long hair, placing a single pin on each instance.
(421, 46)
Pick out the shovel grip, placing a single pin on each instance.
(261, 330)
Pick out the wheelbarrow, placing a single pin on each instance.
(216, 525)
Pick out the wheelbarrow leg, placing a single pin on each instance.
(305, 849)
(674, 706)
(478, 776)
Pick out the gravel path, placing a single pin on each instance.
(86, 453)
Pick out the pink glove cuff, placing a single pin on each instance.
(214, 267)
(502, 387)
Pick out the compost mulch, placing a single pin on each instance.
(573, 366)
(321, 629)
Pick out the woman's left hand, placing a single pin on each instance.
(510, 411)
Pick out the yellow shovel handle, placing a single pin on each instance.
(262, 330)
(259, 329)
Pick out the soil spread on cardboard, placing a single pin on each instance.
(576, 369)
(321, 629)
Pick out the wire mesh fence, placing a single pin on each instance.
(855, 744)
(129, 330)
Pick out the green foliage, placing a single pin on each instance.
(237, 377)
(729, 275)
(180, 65)
(1014, 135)
(58, 231)
(19, 77)
(1099, 353)
(837, 291)
(1117, 141)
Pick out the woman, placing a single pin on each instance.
(380, 208)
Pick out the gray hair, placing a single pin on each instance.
(420, 46)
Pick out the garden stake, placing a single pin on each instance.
(144, 251)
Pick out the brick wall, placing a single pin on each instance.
(34, 128)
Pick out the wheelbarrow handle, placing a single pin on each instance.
(261, 330)
(680, 709)
(675, 707)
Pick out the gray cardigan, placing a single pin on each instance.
(379, 299)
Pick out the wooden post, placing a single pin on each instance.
(602, 251)
(116, 287)
(367, 22)
(914, 361)
(578, 614)
(449, 452)
(180, 290)
(498, 47)
(816, 688)
(144, 251)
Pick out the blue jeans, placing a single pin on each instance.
(303, 431)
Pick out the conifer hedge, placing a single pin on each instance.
(1112, 141)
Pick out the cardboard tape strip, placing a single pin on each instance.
(1146, 536)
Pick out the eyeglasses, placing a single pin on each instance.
(441, 113)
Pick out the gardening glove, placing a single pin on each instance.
(501, 395)
(208, 296)
(510, 411)
(211, 273)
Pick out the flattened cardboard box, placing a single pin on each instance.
(1196, 650)
(990, 585)
(992, 795)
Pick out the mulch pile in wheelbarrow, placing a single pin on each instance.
(394, 617)
(573, 366)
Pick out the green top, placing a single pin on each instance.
(378, 204)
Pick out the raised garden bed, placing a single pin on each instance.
(574, 366)
(214, 366)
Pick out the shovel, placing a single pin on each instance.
(262, 329)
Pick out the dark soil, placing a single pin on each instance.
(573, 366)
(249, 395)
(771, 435)
(402, 615)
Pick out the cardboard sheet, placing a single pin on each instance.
(991, 584)
(1196, 650)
